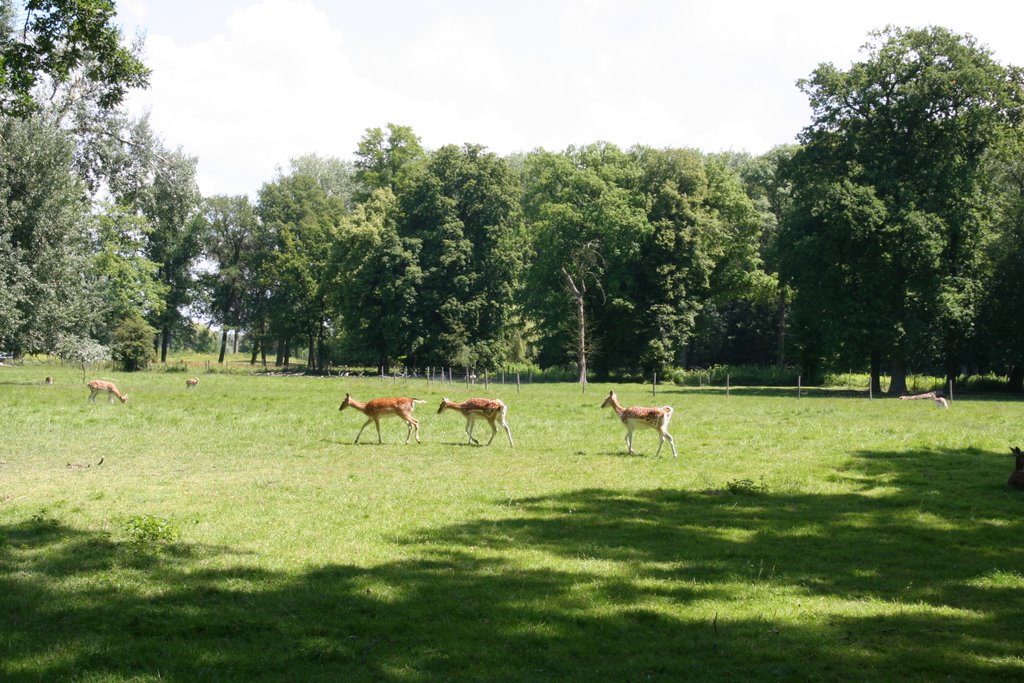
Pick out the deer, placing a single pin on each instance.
(633, 417)
(940, 400)
(377, 408)
(191, 382)
(488, 408)
(98, 385)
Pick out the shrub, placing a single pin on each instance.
(147, 530)
(132, 345)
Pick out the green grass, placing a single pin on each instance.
(235, 532)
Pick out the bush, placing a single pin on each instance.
(132, 345)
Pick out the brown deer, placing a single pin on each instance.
(1016, 479)
(191, 382)
(98, 385)
(487, 408)
(652, 418)
(940, 400)
(386, 407)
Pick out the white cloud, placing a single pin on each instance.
(246, 85)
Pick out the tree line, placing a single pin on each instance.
(888, 238)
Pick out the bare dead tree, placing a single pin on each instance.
(587, 266)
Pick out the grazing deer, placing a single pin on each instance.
(98, 385)
(385, 407)
(487, 408)
(940, 400)
(191, 382)
(49, 380)
(633, 417)
(1016, 479)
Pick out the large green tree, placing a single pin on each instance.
(586, 219)
(49, 44)
(302, 221)
(384, 157)
(45, 250)
(376, 278)
(127, 282)
(231, 246)
(890, 212)
(1000, 341)
(461, 210)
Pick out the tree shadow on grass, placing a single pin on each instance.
(915, 576)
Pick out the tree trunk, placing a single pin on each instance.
(1016, 382)
(256, 346)
(311, 357)
(165, 344)
(582, 333)
(234, 343)
(876, 372)
(223, 345)
(898, 383)
(780, 338)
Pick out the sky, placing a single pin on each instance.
(247, 85)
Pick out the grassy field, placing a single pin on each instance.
(235, 532)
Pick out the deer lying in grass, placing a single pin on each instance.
(98, 385)
(487, 408)
(653, 418)
(191, 382)
(940, 400)
(385, 407)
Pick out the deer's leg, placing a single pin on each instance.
(504, 425)
(376, 421)
(470, 421)
(629, 439)
(368, 421)
(92, 396)
(494, 430)
(413, 425)
(110, 397)
(672, 443)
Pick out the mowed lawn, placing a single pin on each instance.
(235, 532)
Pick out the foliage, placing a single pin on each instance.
(127, 282)
(233, 249)
(383, 159)
(44, 248)
(376, 278)
(747, 487)
(81, 351)
(131, 347)
(461, 210)
(301, 221)
(56, 42)
(150, 531)
(890, 204)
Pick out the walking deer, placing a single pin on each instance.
(191, 382)
(652, 418)
(487, 408)
(98, 385)
(386, 407)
